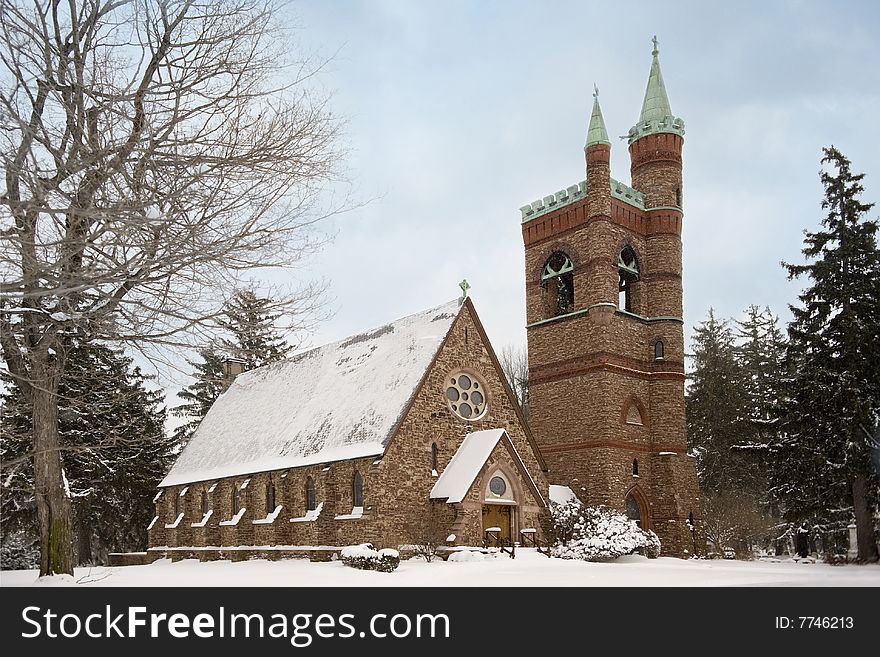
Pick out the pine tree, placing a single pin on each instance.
(829, 414)
(254, 338)
(731, 405)
(252, 322)
(114, 453)
(117, 426)
(714, 406)
(200, 395)
(760, 354)
(19, 547)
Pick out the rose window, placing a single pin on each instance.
(466, 396)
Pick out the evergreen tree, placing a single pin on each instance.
(760, 354)
(252, 322)
(200, 395)
(114, 453)
(829, 414)
(731, 405)
(714, 406)
(19, 547)
(254, 338)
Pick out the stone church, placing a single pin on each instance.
(412, 427)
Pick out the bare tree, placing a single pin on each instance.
(153, 152)
(735, 520)
(515, 363)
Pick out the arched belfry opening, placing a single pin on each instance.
(557, 282)
(628, 272)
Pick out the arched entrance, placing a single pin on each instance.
(635, 509)
(499, 508)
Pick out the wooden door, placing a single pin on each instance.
(498, 515)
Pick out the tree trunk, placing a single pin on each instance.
(53, 502)
(864, 523)
(84, 553)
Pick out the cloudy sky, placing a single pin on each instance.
(458, 113)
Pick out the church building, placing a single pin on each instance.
(381, 437)
(412, 427)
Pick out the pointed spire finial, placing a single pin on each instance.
(656, 115)
(596, 133)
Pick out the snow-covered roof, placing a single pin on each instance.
(464, 467)
(336, 402)
(561, 494)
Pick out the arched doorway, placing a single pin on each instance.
(499, 508)
(634, 510)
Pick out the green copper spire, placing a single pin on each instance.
(597, 134)
(656, 114)
(656, 103)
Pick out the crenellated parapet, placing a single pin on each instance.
(578, 192)
(669, 124)
(554, 201)
(627, 194)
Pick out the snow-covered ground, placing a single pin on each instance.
(528, 569)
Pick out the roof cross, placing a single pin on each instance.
(655, 51)
(465, 286)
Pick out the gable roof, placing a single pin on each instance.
(458, 477)
(464, 467)
(336, 402)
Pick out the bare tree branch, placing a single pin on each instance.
(153, 153)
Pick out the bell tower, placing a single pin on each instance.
(604, 327)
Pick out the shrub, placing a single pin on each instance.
(560, 522)
(598, 534)
(366, 557)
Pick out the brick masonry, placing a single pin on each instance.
(589, 369)
(396, 486)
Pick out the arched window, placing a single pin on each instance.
(557, 279)
(236, 499)
(658, 350)
(633, 414)
(176, 504)
(635, 467)
(358, 490)
(678, 196)
(270, 497)
(633, 510)
(628, 270)
(311, 498)
(205, 505)
(434, 457)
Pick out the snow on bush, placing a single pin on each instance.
(472, 555)
(597, 534)
(366, 557)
